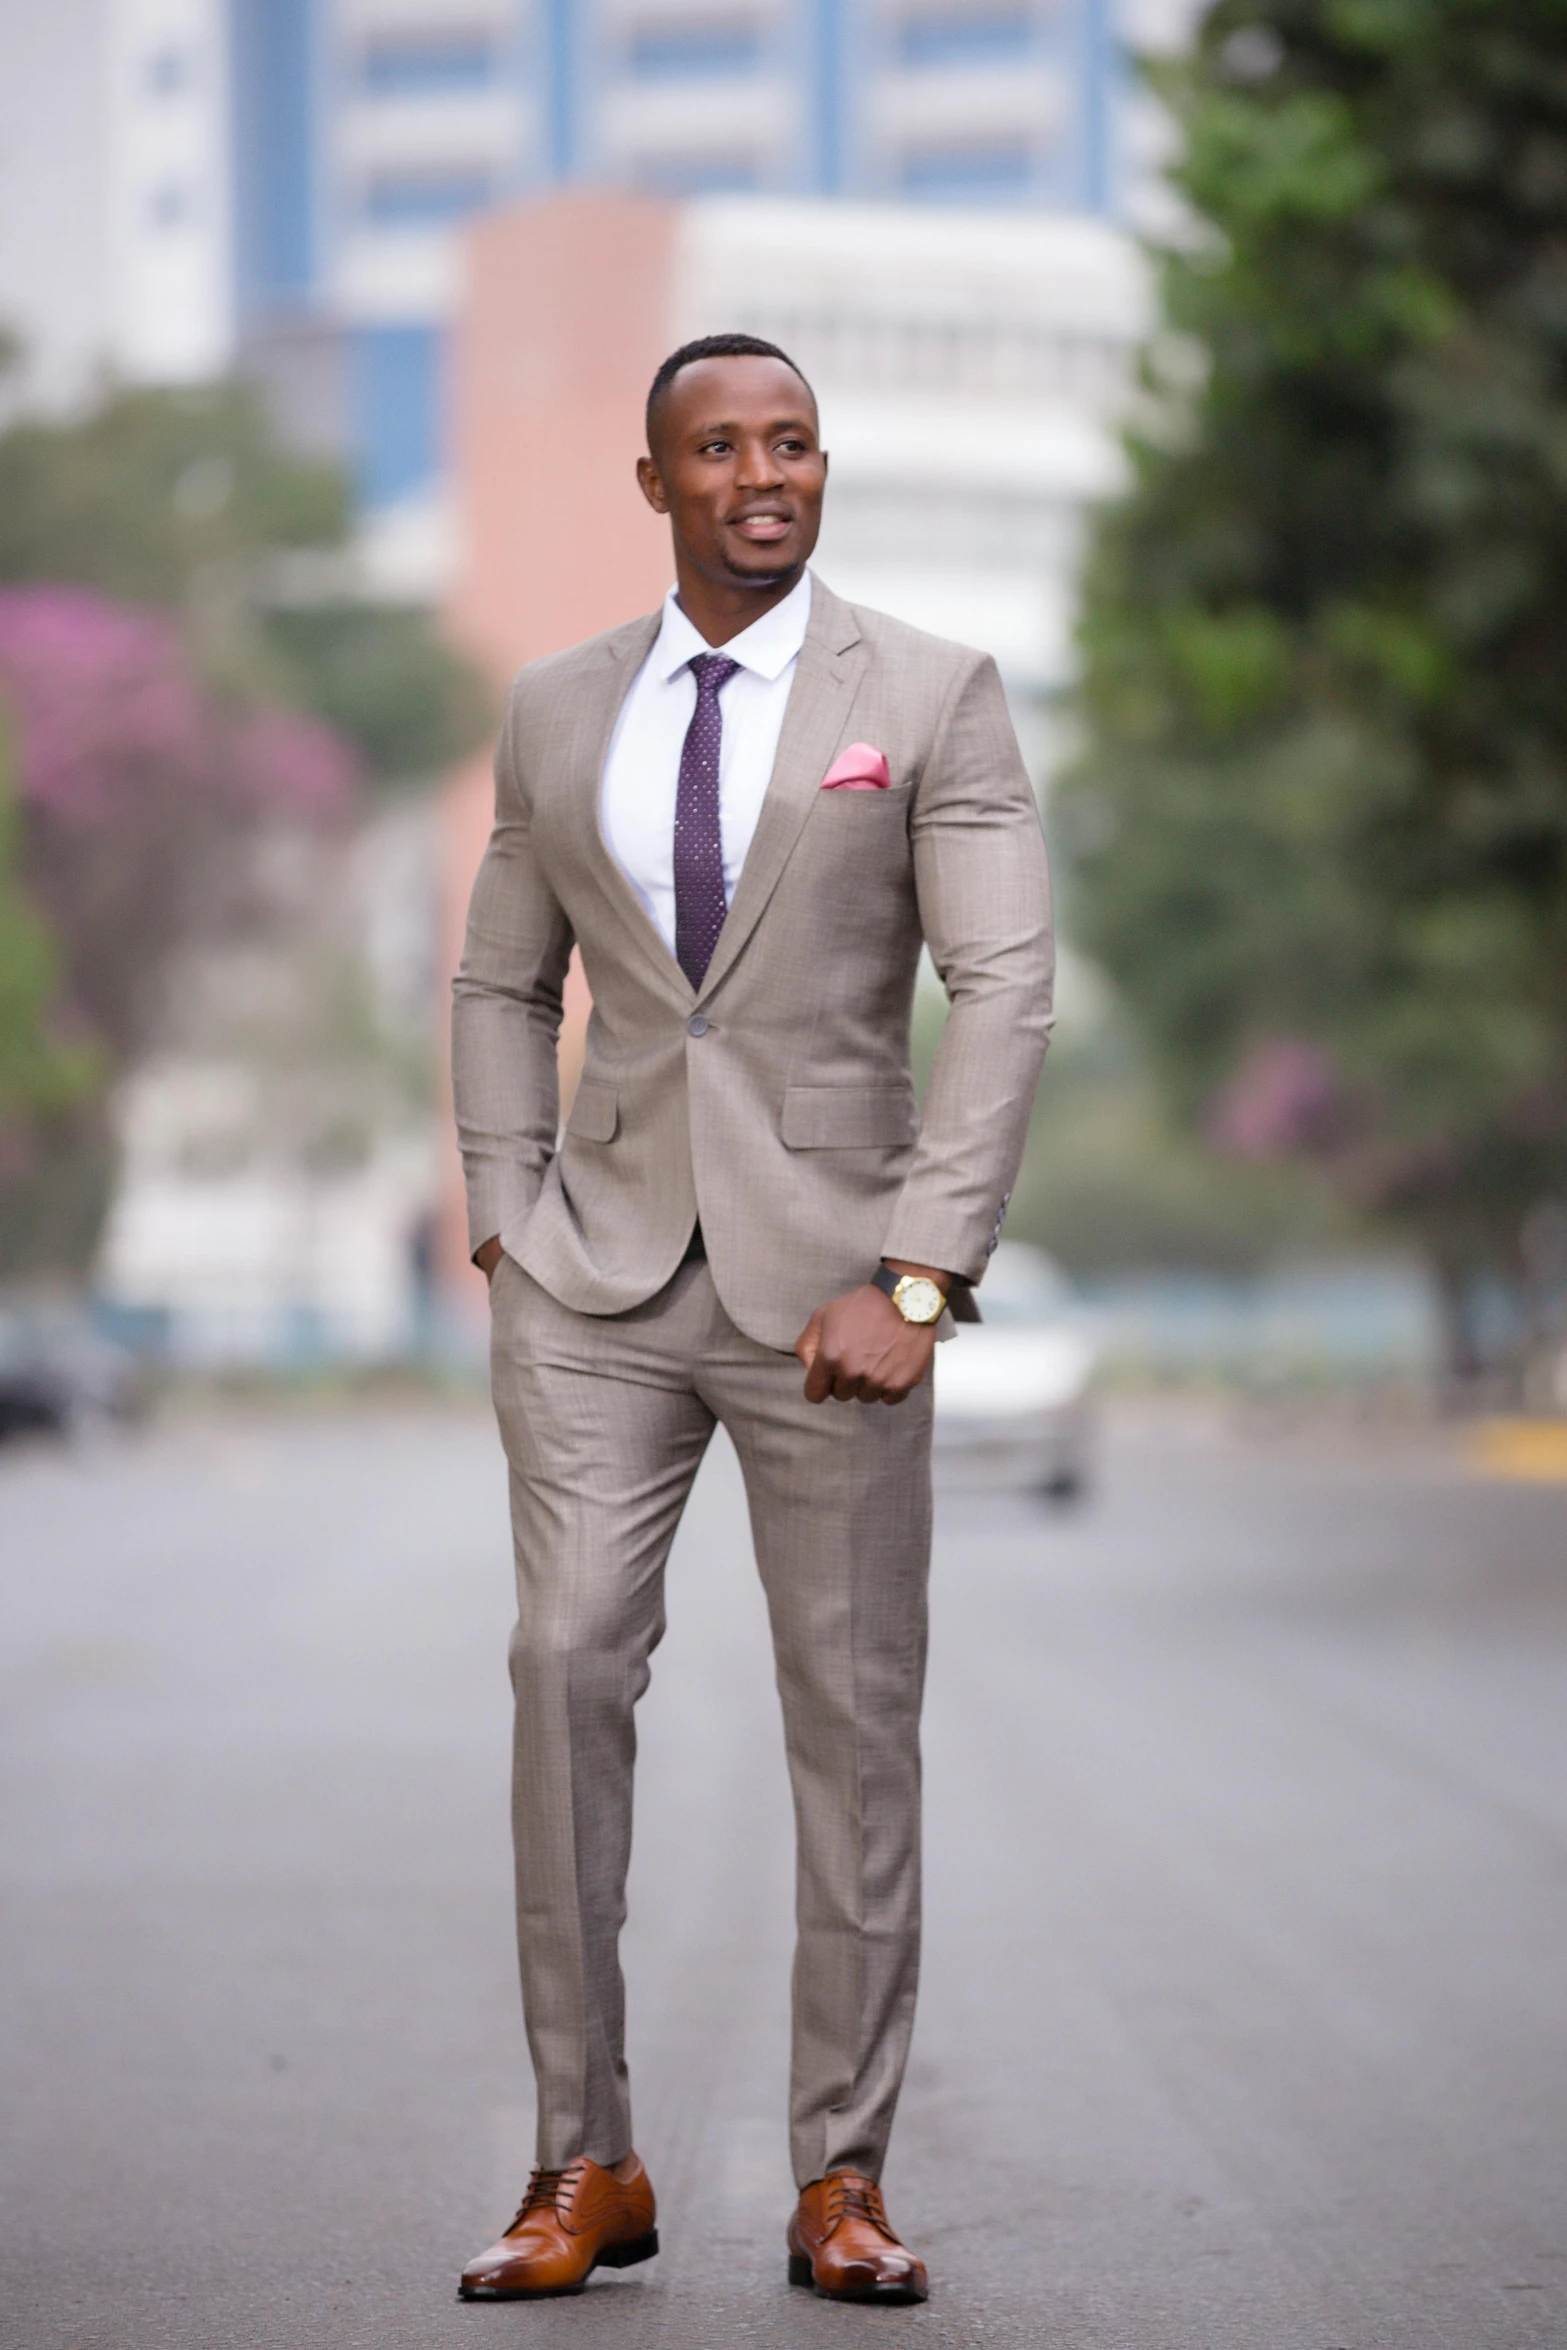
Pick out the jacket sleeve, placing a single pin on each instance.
(983, 885)
(506, 1011)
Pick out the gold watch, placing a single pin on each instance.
(917, 1300)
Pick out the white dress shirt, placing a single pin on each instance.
(642, 771)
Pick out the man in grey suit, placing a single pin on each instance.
(749, 812)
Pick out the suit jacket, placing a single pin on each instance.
(776, 1100)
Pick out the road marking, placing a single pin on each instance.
(1534, 1450)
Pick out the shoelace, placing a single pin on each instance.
(857, 2199)
(547, 2191)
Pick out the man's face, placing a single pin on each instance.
(738, 468)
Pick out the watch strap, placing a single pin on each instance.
(886, 1280)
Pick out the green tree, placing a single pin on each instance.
(1319, 827)
(48, 1081)
(39, 1073)
(184, 499)
(383, 676)
(154, 491)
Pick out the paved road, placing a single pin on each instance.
(1245, 2016)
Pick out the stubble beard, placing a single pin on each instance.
(780, 575)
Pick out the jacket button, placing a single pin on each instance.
(697, 1024)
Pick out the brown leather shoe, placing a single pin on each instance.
(571, 2222)
(842, 2242)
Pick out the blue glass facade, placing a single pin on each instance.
(277, 128)
(1005, 35)
(827, 68)
(664, 52)
(424, 199)
(395, 410)
(974, 173)
(394, 65)
(559, 80)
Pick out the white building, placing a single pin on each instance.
(972, 371)
(115, 173)
(232, 1241)
(170, 232)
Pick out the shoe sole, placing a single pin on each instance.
(612, 2256)
(800, 2274)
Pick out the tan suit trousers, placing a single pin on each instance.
(605, 1419)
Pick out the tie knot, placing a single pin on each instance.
(711, 671)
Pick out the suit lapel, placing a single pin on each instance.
(826, 680)
(624, 655)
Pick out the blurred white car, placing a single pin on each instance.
(1012, 1392)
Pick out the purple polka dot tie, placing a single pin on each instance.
(700, 904)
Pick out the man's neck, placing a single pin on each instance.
(719, 611)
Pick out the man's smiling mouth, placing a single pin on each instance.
(765, 527)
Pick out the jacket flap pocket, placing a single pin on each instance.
(846, 1117)
(595, 1114)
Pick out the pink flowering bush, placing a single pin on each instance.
(1283, 1101)
(138, 789)
(108, 709)
(283, 764)
(104, 707)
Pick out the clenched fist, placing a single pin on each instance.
(859, 1349)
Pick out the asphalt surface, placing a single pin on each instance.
(1245, 2007)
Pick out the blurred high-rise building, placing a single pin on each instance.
(182, 181)
(367, 131)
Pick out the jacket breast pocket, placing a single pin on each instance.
(846, 1117)
(867, 804)
(595, 1114)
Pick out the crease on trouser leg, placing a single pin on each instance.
(841, 1515)
(857, 1958)
(549, 1925)
(575, 1754)
(603, 1692)
(601, 1467)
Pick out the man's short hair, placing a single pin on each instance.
(712, 347)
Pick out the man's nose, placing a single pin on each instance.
(758, 468)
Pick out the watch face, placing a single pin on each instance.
(919, 1300)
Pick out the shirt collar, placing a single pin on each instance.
(767, 647)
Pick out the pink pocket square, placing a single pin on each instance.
(860, 768)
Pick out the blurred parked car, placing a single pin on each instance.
(1012, 1392)
(59, 1376)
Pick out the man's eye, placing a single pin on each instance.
(715, 448)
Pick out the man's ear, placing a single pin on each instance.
(652, 485)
